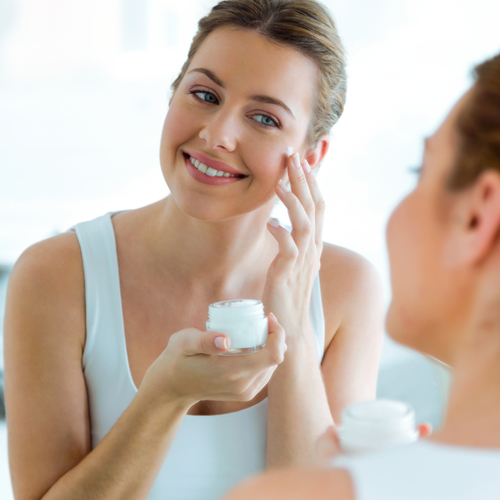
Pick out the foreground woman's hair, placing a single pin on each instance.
(479, 128)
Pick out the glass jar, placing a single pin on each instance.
(372, 425)
(243, 321)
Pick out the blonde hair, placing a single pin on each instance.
(304, 25)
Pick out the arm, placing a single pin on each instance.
(305, 398)
(47, 410)
(46, 397)
(354, 316)
(298, 411)
(297, 484)
(300, 402)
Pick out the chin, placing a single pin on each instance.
(404, 328)
(418, 332)
(205, 209)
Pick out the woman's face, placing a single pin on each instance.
(241, 104)
(429, 291)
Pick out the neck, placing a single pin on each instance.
(474, 405)
(220, 255)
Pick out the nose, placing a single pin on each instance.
(220, 131)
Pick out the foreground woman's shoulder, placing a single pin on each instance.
(297, 484)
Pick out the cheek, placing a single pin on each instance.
(399, 252)
(424, 292)
(406, 242)
(267, 163)
(176, 131)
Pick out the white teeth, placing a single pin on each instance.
(209, 170)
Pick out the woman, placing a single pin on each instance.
(444, 246)
(112, 388)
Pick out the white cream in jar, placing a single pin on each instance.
(243, 321)
(373, 425)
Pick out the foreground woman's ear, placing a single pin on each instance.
(478, 221)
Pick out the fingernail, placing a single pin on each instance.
(306, 166)
(283, 186)
(272, 314)
(272, 222)
(296, 160)
(221, 342)
(289, 151)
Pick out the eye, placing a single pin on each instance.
(205, 96)
(266, 120)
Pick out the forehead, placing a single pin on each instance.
(250, 64)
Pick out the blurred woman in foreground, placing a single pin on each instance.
(444, 246)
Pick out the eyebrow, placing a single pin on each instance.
(210, 75)
(259, 98)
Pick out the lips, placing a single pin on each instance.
(211, 177)
(214, 164)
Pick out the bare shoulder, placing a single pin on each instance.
(297, 484)
(48, 279)
(51, 254)
(348, 281)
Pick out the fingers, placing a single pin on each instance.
(298, 202)
(319, 204)
(304, 202)
(289, 252)
(196, 342)
(276, 340)
(298, 172)
(272, 355)
(425, 430)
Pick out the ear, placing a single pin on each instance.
(316, 154)
(478, 228)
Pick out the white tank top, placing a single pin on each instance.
(425, 470)
(200, 464)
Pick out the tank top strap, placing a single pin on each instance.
(317, 318)
(102, 289)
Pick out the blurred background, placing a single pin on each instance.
(84, 89)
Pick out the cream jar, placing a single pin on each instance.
(373, 425)
(243, 321)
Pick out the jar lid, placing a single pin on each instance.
(235, 310)
(379, 422)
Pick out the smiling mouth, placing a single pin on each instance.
(209, 171)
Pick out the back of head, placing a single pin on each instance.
(478, 128)
(303, 25)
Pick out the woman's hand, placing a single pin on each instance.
(291, 275)
(189, 369)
